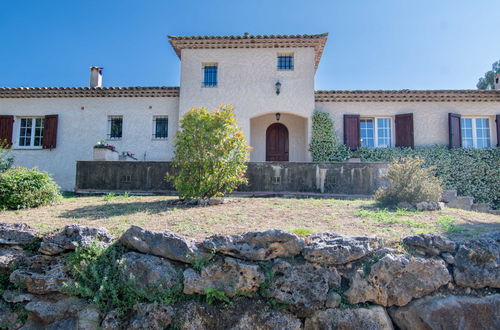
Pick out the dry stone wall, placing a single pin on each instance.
(260, 280)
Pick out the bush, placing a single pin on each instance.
(210, 154)
(6, 160)
(410, 183)
(23, 188)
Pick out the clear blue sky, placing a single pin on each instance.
(382, 44)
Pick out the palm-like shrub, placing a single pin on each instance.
(24, 188)
(210, 154)
(410, 183)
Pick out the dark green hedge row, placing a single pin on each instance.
(473, 172)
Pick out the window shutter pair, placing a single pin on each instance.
(49, 140)
(403, 125)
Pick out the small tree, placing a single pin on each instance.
(324, 146)
(488, 81)
(410, 183)
(210, 154)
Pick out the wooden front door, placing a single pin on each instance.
(277, 143)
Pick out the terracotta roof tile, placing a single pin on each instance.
(317, 41)
(406, 95)
(41, 92)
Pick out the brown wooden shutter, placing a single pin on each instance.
(351, 131)
(6, 128)
(498, 130)
(49, 140)
(455, 130)
(404, 130)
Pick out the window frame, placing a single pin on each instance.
(17, 122)
(154, 133)
(110, 120)
(208, 84)
(474, 131)
(375, 131)
(292, 61)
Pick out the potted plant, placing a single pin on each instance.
(104, 151)
(355, 158)
(126, 155)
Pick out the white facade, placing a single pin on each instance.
(247, 74)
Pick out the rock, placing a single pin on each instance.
(429, 206)
(16, 234)
(8, 318)
(113, 321)
(149, 271)
(333, 300)
(430, 244)
(268, 320)
(397, 279)
(232, 276)
(166, 245)
(448, 195)
(71, 236)
(48, 280)
(263, 245)
(304, 286)
(151, 316)
(9, 257)
(335, 249)
(481, 207)
(373, 318)
(477, 262)
(448, 258)
(461, 202)
(61, 312)
(453, 312)
(12, 296)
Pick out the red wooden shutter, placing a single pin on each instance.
(6, 128)
(498, 130)
(49, 140)
(404, 130)
(455, 130)
(351, 131)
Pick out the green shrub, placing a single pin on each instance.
(6, 159)
(23, 188)
(472, 172)
(210, 154)
(410, 183)
(324, 146)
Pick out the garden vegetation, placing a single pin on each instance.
(210, 154)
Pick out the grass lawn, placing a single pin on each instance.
(302, 216)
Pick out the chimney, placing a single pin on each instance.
(497, 82)
(95, 76)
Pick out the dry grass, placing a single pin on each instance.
(303, 216)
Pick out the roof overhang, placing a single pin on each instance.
(46, 92)
(406, 95)
(316, 41)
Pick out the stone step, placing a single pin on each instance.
(461, 202)
(481, 207)
(448, 195)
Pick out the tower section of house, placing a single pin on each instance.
(268, 79)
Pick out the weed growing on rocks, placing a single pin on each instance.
(214, 295)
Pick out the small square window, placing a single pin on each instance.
(285, 62)
(160, 127)
(209, 75)
(115, 127)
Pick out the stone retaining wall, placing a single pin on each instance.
(257, 280)
(333, 178)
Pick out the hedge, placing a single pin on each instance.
(472, 172)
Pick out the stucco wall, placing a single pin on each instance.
(246, 79)
(430, 120)
(297, 136)
(79, 130)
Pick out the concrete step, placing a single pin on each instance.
(461, 202)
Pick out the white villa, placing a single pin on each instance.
(270, 82)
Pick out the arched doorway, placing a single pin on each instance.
(277, 143)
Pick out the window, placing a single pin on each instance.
(475, 132)
(115, 126)
(285, 62)
(30, 132)
(209, 75)
(160, 127)
(375, 132)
